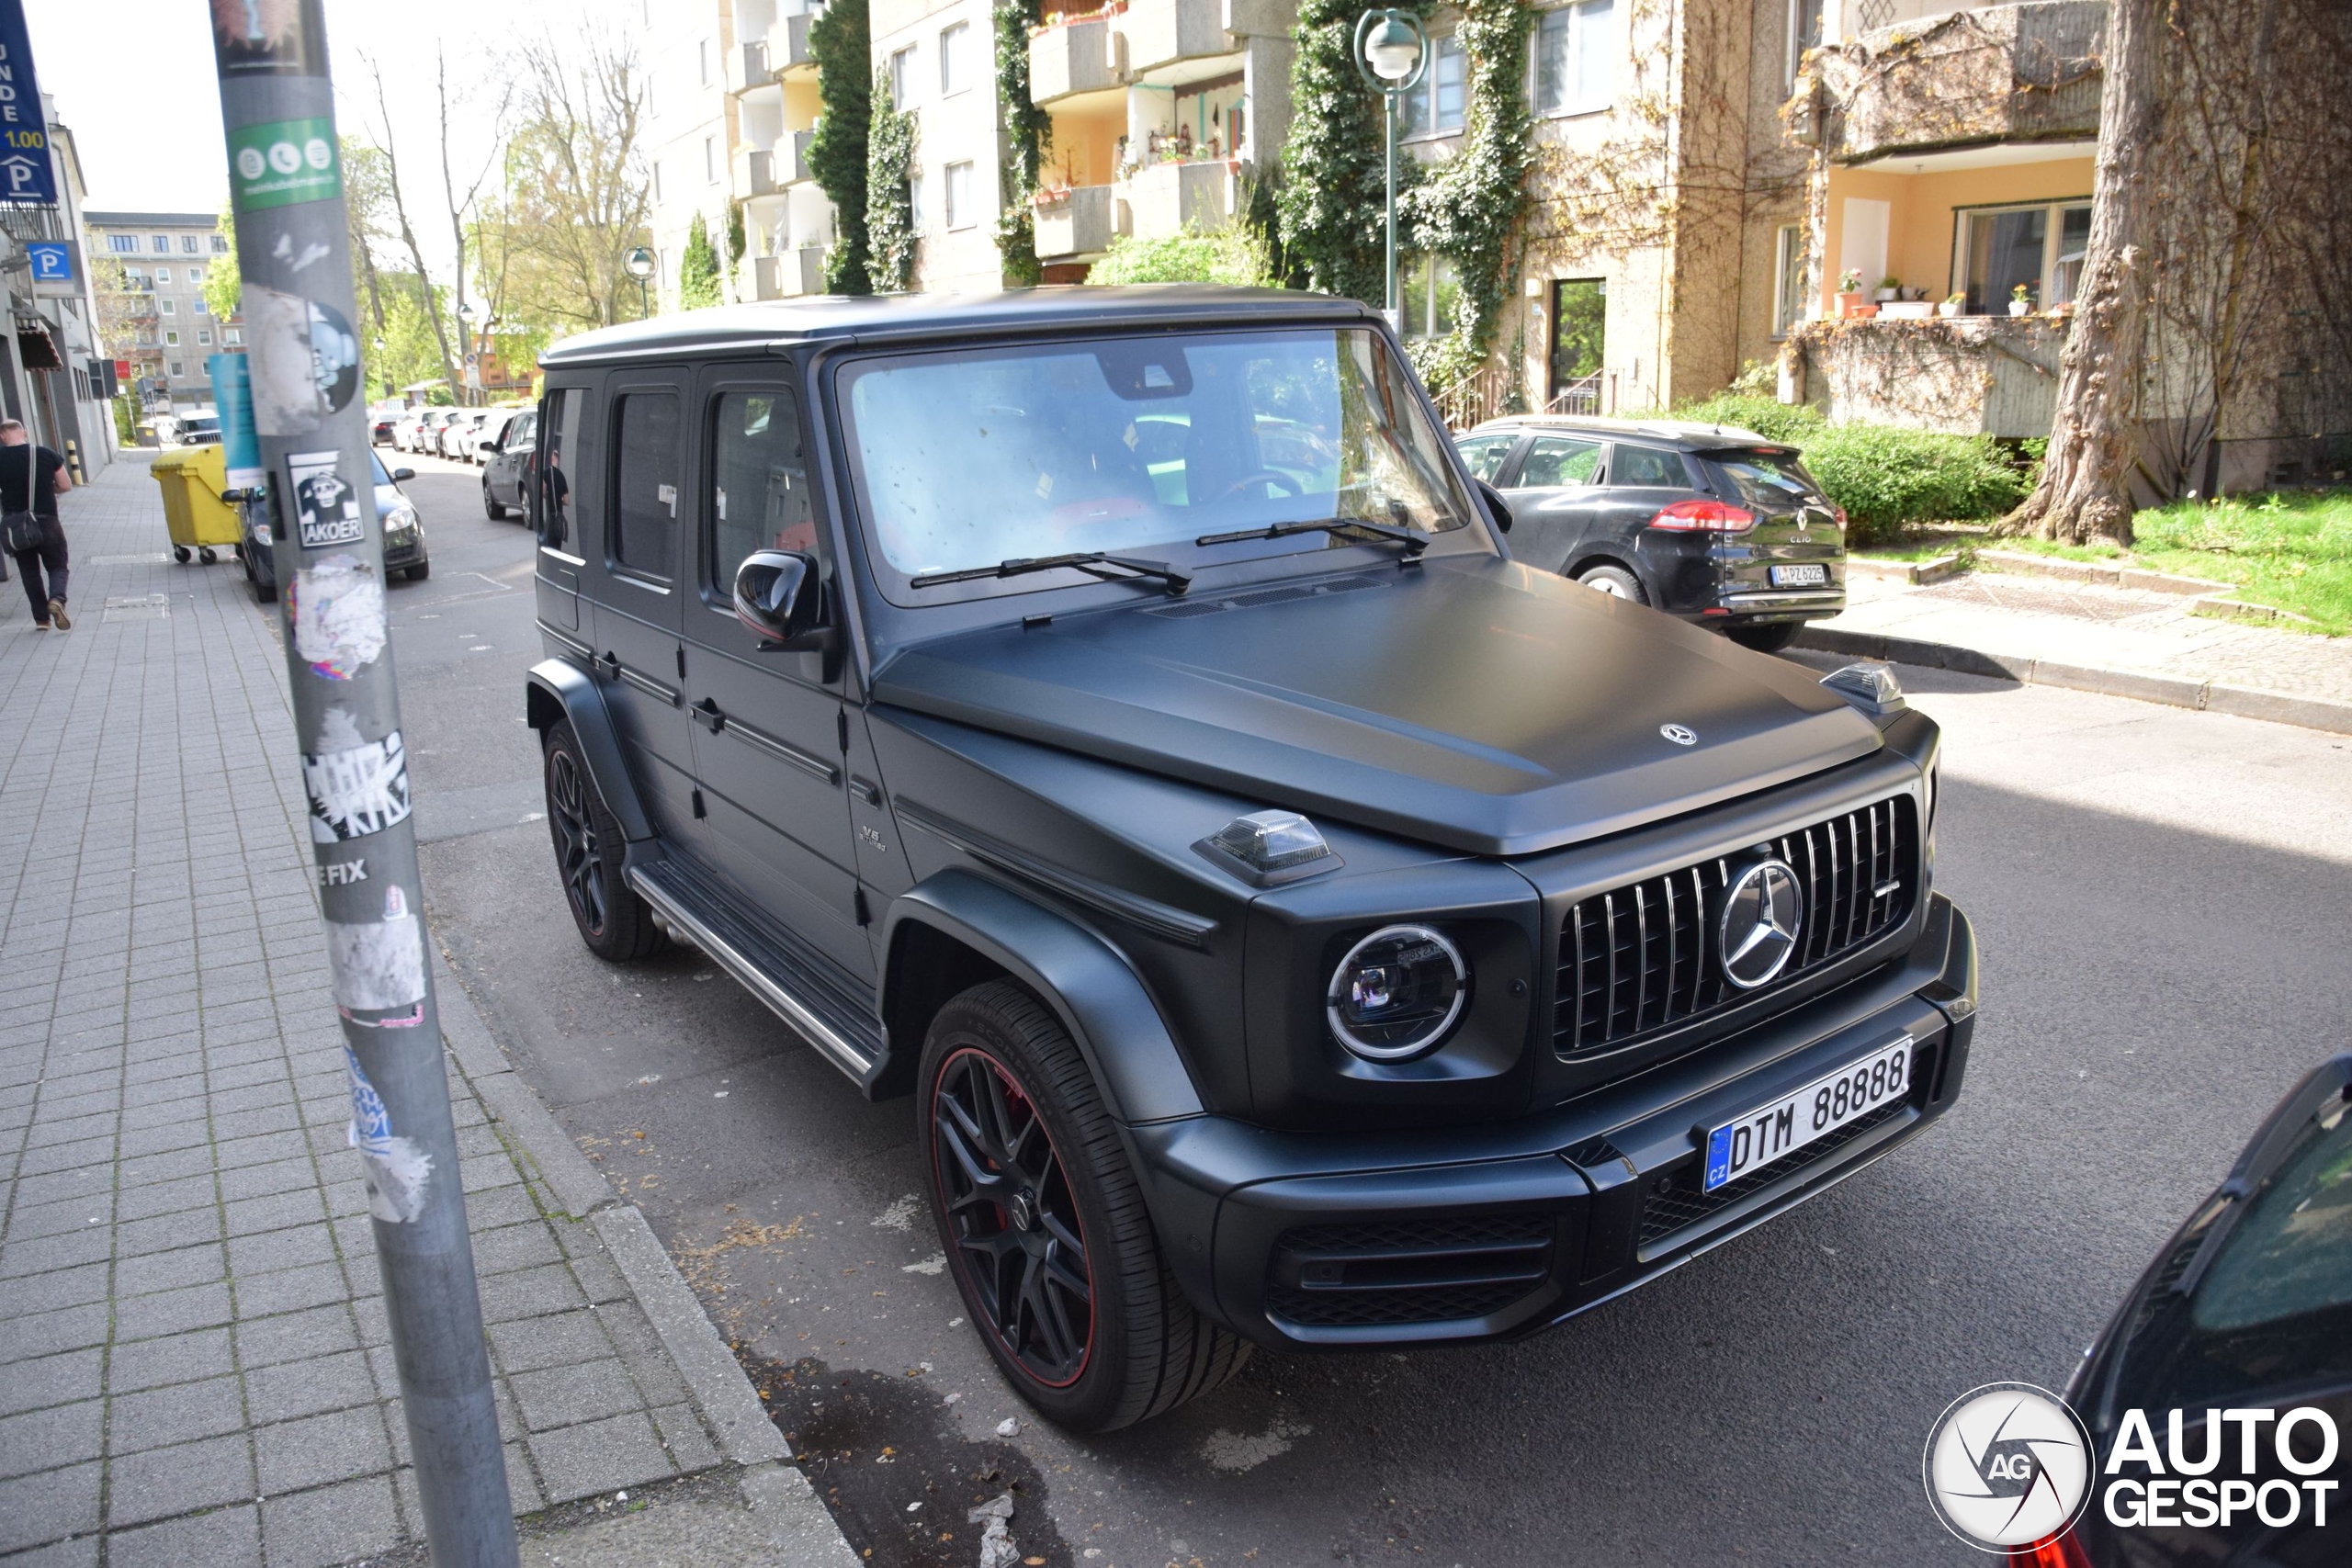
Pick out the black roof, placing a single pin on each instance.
(873, 318)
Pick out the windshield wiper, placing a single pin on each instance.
(1413, 542)
(1084, 561)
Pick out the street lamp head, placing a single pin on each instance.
(639, 262)
(1391, 46)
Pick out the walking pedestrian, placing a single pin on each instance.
(32, 479)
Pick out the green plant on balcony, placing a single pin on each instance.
(1027, 130)
(842, 46)
(889, 203)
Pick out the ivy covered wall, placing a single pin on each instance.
(1027, 130)
(1334, 186)
(889, 203)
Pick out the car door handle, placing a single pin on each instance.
(706, 712)
(866, 790)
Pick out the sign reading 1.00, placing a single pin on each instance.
(283, 162)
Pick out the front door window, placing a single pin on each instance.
(759, 497)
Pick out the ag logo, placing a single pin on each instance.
(2008, 1465)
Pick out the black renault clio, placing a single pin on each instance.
(1114, 718)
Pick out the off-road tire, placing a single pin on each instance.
(1148, 1351)
(613, 921)
(1614, 581)
(1771, 636)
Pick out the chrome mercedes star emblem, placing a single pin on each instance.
(1681, 734)
(1763, 911)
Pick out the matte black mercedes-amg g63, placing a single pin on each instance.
(1114, 718)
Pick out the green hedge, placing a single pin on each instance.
(1886, 480)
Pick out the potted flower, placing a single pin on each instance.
(2021, 299)
(1952, 305)
(1888, 288)
(1850, 291)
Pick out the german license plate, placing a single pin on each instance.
(1774, 1132)
(1800, 577)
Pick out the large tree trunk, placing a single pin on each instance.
(2085, 489)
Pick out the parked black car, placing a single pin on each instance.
(506, 467)
(2248, 1307)
(1113, 717)
(404, 550)
(1706, 522)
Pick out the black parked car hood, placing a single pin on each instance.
(1473, 704)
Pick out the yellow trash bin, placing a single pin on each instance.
(197, 519)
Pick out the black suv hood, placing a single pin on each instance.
(1471, 703)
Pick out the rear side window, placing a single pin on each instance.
(1767, 480)
(562, 455)
(1560, 461)
(1648, 468)
(759, 496)
(1483, 455)
(645, 481)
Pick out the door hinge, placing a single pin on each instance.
(699, 809)
(865, 913)
(840, 728)
(681, 664)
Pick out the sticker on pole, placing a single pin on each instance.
(356, 790)
(337, 607)
(283, 162)
(305, 360)
(378, 965)
(327, 506)
(396, 1168)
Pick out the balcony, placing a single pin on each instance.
(1079, 225)
(2024, 72)
(747, 68)
(788, 276)
(1162, 32)
(1961, 376)
(1163, 199)
(1074, 56)
(754, 171)
(787, 45)
(795, 147)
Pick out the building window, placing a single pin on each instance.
(163, 244)
(1804, 33)
(1788, 280)
(123, 245)
(958, 199)
(702, 60)
(2041, 247)
(1576, 58)
(219, 245)
(710, 159)
(902, 77)
(163, 275)
(173, 339)
(191, 244)
(232, 336)
(1425, 293)
(1434, 109)
(171, 367)
(204, 337)
(657, 179)
(914, 204)
(198, 304)
(164, 306)
(953, 75)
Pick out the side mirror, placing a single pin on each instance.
(1495, 508)
(490, 445)
(400, 474)
(779, 596)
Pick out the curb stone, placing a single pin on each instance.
(2176, 691)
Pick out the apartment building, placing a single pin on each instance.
(1158, 109)
(164, 256)
(690, 135)
(939, 57)
(54, 374)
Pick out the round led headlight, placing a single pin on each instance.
(1397, 993)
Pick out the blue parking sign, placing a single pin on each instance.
(52, 260)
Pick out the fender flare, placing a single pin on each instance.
(1088, 983)
(556, 688)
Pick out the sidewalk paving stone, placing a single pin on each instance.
(191, 1319)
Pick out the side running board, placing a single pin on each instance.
(788, 983)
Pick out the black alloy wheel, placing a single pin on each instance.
(1044, 1223)
(613, 921)
(1014, 1219)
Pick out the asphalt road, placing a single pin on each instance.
(2162, 897)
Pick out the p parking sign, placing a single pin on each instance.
(282, 162)
(56, 267)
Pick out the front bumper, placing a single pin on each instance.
(1465, 1234)
(398, 556)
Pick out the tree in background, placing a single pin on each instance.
(225, 284)
(1334, 190)
(842, 48)
(1233, 254)
(1027, 130)
(889, 202)
(736, 243)
(697, 268)
(577, 192)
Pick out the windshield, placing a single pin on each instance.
(1137, 447)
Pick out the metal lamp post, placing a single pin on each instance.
(1392, 52)
(639, 262)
